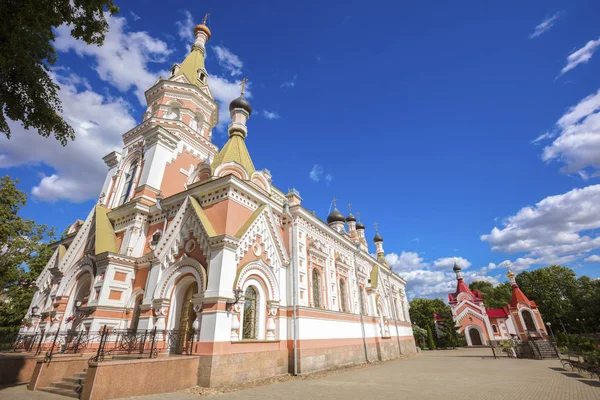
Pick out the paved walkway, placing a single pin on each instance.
(458, 374)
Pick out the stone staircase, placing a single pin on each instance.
(544, 348)
(70, 387)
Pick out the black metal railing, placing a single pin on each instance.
(19, 341)
(147, 343)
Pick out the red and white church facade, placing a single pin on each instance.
(187, 235)
(519, 319)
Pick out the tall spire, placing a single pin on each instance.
(517, 294)
(193, 66)
(235, 149)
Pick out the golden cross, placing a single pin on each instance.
(507, 264)
(334, 202)
(243, 85)
(376, 225)
(205, 18)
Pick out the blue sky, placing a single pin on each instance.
(424, 117)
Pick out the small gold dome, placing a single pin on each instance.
(203, 28)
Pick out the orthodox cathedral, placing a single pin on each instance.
(189, 238)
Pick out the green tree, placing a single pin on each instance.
(421, 311)
(430, 341)
(493, 297)
(554, 289)
(449, 337)
(27, 92)
(24, 251)
(420, 335)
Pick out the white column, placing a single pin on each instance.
(222, 267)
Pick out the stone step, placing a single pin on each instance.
(74, 380)
(80, 375)
(61, 392)
(67, 385)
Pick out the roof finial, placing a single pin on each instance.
(376, 225)
(205, 18)
(507, 265)
(243, 84)
(350, 207)
(334, 201)
(358, 215)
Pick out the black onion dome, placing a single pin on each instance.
(377, 238)
(335, 216)
(360, 225)
(242, 103)
(350, 217)
(456, 267)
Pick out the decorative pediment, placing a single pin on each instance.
(261, 225)
(469, 311)
(190, 218)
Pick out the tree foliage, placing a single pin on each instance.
(421, 311)
(449, 336)
(24, 251)
(493, 297)
(430, 340)
(27, 91)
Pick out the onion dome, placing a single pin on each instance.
(203, 28)
(335, 216)
(377, 238)
(242, 103)
(456, 267)
(350, 218)
(360, 225)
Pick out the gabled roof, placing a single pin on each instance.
(105, 239)
(461, 287)
(498, 313)
(191, 65)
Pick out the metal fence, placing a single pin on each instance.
(105, 343)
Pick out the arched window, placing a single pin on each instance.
(173, 113)
(363, 303)
(155, 238)
(129, 181)
(250, 329)
(495, 328)
(316, 288)
(343, 297)
(137, 309)
(528, 318)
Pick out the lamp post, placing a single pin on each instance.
(582, 325)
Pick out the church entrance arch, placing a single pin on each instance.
(475, 337)
(187, 316)
(528, 319)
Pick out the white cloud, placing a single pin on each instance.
(98, 122)
(406, 261)
(271, 114)
(328, 178)
(134, 16)
(316, 173)
(124, 57)
(544, 136)
(545, 25)
(557, 230)
(185, 27)
(593, 258)
(578, 143)
(224, 91)
(291, 83)
(448, 263)
(582, 55)
(229, 61)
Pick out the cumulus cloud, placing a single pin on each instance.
(124, 59)
(134, 16)
(593, 258)
(545, 25)
(582, 55)
(447, 263)
(577, 144)
(185, 27)
(98, 121)
(229, 61)
(557, 230)
(270, 114)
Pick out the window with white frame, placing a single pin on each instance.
(250, 326)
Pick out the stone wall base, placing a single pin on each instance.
(228, 369)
